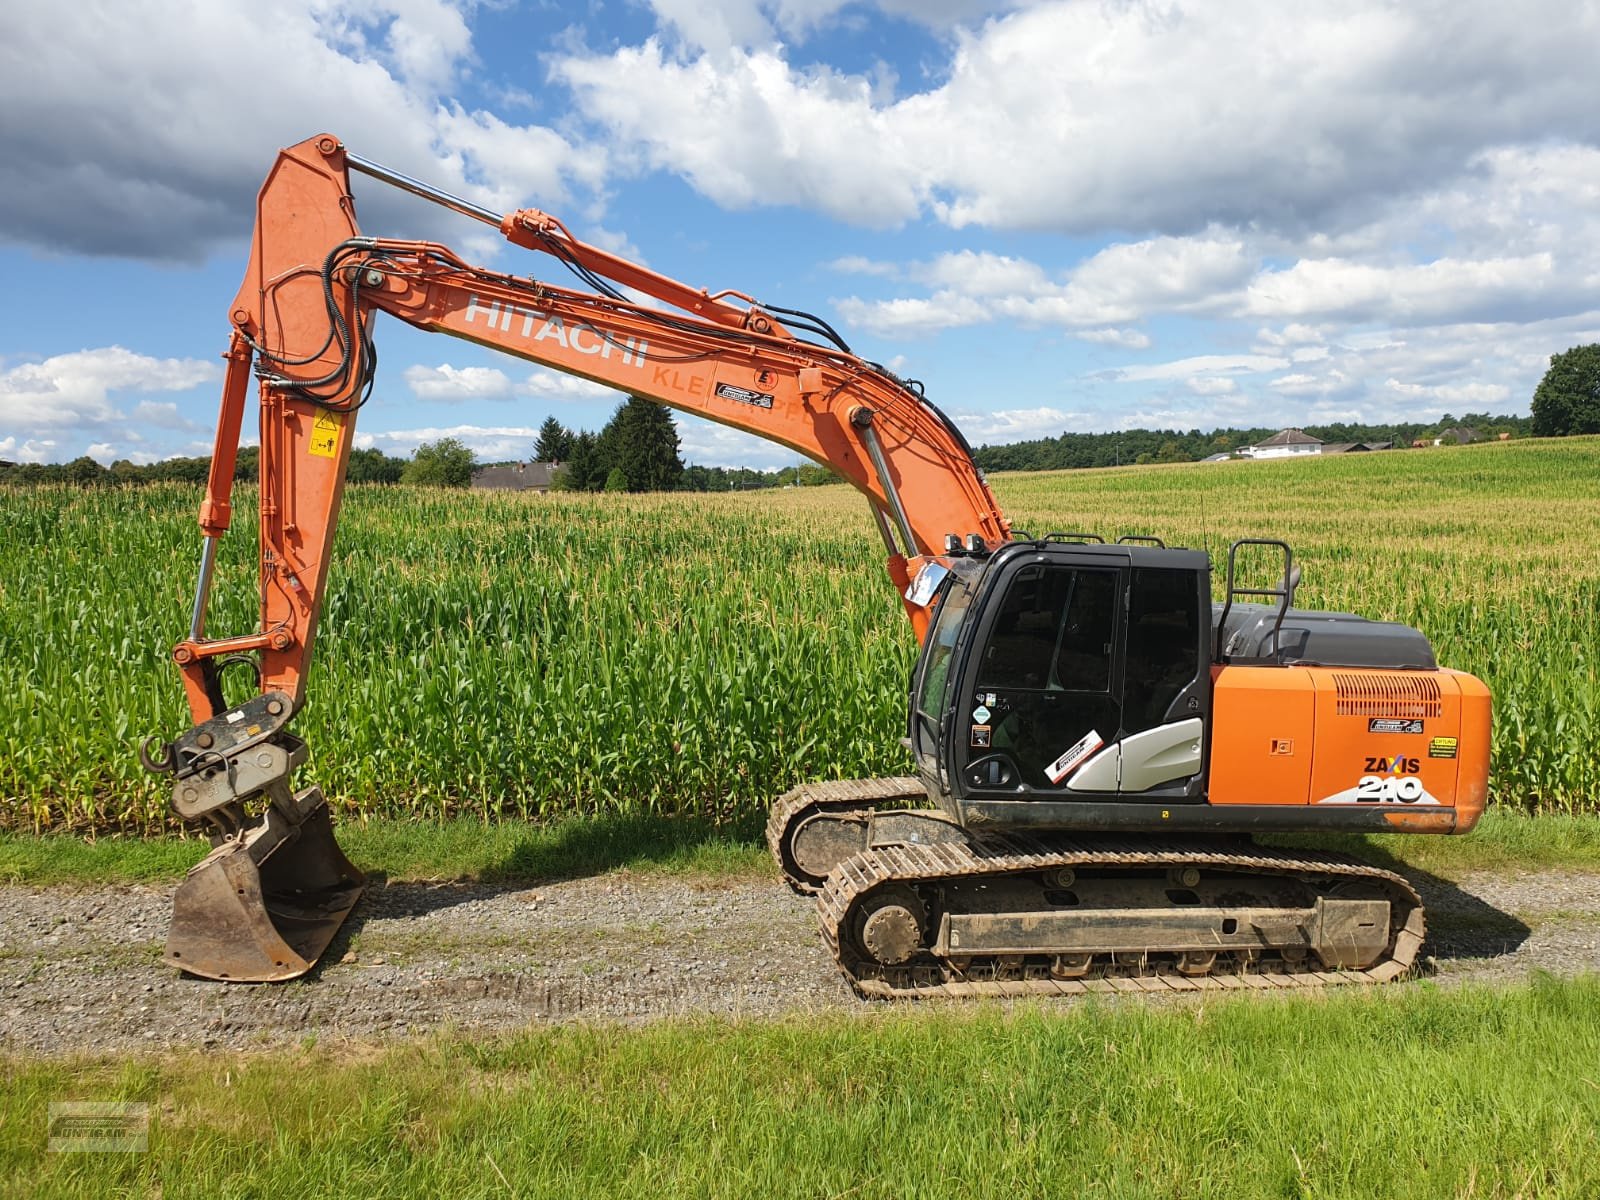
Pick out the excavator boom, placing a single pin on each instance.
(303, 325)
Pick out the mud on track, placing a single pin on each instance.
(80, 969)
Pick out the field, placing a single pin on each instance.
(535, 657)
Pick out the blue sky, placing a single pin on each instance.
(1060, 216)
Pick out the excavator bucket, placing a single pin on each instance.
(265, 903)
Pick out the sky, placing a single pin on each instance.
(1061, 216)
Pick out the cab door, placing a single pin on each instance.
(1043, 685)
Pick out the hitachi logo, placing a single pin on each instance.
(580, 339)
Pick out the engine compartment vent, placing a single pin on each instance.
(1386, 694)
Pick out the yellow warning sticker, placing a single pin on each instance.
(325, 432)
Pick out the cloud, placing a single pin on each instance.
(913, 317)
(162, 414)
(545, 384)
(75, 392)
(1017, 424)
(1200, 365)
(143, 128)
(707, 444)
(1078, 118)
(856, 264)
(720, 25)
(29, 451)
(455, 385)
(1128, 339)
(491, 443)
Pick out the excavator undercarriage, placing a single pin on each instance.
(912, 905)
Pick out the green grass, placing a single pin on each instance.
(455, 849)
(507, 852)
(1405, 1092)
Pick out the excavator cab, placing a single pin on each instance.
(1059, 675)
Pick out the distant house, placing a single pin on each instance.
(1286, 443)
(1354, 447)
(1459, 436)
(516, 477)
(1222, 457)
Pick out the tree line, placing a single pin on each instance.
(637, 451)
(1142, 446)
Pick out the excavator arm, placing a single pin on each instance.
(303, 325)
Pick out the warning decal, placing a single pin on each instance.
(325, 432)
(1073, 758)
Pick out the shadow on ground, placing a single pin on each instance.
(578, 848)
(1460, 925)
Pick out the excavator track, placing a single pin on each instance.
(844, 802)
(903, 872)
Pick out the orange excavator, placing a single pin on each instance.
(1095, 740)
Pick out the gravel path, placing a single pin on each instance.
(80, 969)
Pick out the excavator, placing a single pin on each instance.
(1096, 741)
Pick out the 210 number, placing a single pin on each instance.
(1405, 789)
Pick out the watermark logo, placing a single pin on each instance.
(116, 1126)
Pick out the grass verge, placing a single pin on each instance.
(507, 852)
(1394, 1093)
(466, 849)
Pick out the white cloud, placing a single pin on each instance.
(29, 451)
(457, 384)
(913, 317)
(1467, 397)
(1212, 385)
(1440, 290)
(492, 443)
(1081, 117)
(132, 128)
(1203, 364)
(707, 444)
(1017, 424)
(545, 384)
(161, 414)
(720, 25)
(1128, 339)
(75, 391)
(856, 264)
(976, 273)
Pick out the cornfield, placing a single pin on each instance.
(529, 656)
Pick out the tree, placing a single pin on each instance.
(555, 442)
(642, 442)
(445, 463)
(616, 481)
(85, 472)
(581, 473)
(374, 466)
(1567, 399)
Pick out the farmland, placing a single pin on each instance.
(534, 657)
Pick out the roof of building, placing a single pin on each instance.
(1344, 447)
(1462, 435)
(515, 476)
(1289, 437)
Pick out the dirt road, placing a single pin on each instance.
(80, 969)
